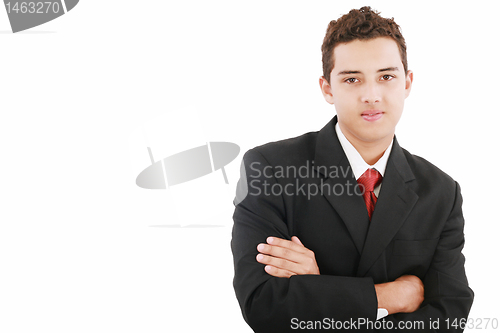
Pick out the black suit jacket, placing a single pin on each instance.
(304, 186)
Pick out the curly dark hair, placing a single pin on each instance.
(360, 24)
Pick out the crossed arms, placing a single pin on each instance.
(285, 258)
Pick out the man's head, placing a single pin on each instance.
(366, 76)
(362, 24)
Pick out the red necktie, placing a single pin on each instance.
(369, 180)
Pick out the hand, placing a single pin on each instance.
(284, 258)
(405, 294)
(412, 290)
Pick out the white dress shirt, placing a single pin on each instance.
(358, 164)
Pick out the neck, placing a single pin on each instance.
(370, 151)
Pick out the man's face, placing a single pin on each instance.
(368, 87)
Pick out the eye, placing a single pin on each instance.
(387, 77)
(351, 80)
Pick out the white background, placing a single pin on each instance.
(83, 249)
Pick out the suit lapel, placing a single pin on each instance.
(395, 202)
(340, 184)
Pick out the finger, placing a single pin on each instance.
(280, 252)
(278, 272)
(286, 244)
(296, 240)
(280, 263)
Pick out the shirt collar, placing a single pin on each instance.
(358, 164)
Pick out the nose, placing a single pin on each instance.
(371, 93)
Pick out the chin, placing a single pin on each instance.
(376, 135)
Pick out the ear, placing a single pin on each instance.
(408, 83)
(326, 89)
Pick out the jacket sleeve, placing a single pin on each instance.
(271, 304)
(447, 296)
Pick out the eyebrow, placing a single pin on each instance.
(388, 69)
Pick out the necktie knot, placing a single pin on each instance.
(370, 179)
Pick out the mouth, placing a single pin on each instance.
(372, 115)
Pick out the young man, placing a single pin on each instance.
(336, 228)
